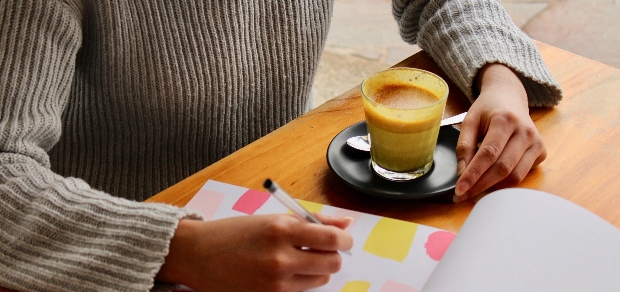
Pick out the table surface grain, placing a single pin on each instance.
(582, 136)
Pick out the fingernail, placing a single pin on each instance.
(460, 167)
(461, 188)
(350, 219)
(456, 199)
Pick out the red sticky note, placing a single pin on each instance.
(251, 201)
(437, 244)
(206, 202)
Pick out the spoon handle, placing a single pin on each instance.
(453, 120)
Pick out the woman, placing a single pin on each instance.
(105, 103)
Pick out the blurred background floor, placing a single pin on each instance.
(364, 38)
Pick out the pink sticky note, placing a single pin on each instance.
(437, 244)
(391, 286)
(348, 213)
(251, 201)
(206, 202)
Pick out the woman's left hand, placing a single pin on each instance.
(511, 144)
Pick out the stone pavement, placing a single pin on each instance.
(364, 38)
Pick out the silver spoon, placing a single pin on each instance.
(361, 142)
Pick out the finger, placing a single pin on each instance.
(490, 150)
(512, 155)
(537, 154)
(340, 222)
(532, 156)
(315, 262)
(322, 237)
(306, 282)
(517, 175)
(297, 282)
(467, 142)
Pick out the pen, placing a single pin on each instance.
(292, 204)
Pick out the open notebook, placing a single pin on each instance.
(514, 240)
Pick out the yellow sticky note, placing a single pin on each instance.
(356, 286)
(391, 238)
(311, 206)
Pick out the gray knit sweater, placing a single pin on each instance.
(104, 103)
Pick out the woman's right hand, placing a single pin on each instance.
(255, 253)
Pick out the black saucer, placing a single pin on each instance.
(353, 166)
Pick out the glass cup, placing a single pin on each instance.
(403, 108)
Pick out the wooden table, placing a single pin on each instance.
(582, 136)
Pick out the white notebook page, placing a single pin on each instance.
(526, 240)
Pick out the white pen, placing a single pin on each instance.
(292, 204)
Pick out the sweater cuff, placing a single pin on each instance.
(60, 234)
(177, 215)
(463, 36)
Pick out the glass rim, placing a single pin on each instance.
(445, 96)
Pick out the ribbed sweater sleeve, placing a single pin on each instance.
(464, 35)
(56, 233)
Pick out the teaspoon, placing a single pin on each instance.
(361, 142)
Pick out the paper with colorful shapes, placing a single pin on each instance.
(389, 255)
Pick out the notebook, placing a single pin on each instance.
(514, 240)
